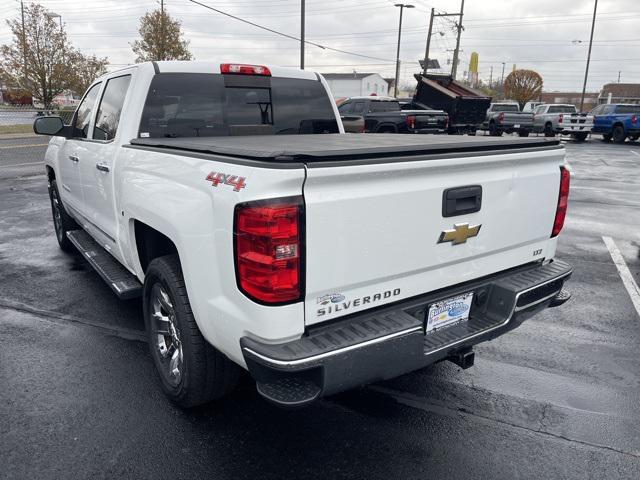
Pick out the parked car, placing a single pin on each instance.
(260, 237)
(531, 107)
(617, 121)
(507, 118)
(466, 107)
(384, 115)
(564, 119)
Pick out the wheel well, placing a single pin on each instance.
(618, 124)
(386, 128)
(548, 124)
(151, 244)
(51, 174)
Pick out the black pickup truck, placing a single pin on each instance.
(385, 115)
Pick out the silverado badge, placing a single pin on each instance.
(459, 234)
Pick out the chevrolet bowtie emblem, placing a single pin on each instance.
(459, 234)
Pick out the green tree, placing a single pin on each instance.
(34, 61)
(523, 86)
(160, 39)
(41, 61)
(84, 70)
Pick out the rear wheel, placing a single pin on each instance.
(619, 136)
(580, 136)
(548, 130)
(523, 133)
(192, 372)
(494, 131)
(62, 222)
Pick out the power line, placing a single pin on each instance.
(323, 47)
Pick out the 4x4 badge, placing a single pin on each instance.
(460, 233)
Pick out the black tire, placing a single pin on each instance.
(580, 136)
(606, 137)
(62, 222)
(493, 130)
(548, 130)
(619, 135)
(523, 133)
(204, 373)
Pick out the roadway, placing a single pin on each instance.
(556, 398)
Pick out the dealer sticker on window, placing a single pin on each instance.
(448, 312)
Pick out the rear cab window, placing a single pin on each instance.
(562, 109)
(628, 109)
(209, 105)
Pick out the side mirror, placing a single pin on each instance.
(53, 126)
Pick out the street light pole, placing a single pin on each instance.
(302, 34)
(402, 7)
(586, 72)
(502, 81)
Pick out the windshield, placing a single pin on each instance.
(207, 105)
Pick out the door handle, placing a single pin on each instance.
(102, 167)
(74, 159)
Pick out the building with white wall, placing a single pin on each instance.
(356, 84)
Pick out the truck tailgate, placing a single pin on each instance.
(373, 229)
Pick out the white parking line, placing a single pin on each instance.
(21, 164)
(634, 152)
(625, 274)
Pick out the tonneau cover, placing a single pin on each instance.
(322, 147)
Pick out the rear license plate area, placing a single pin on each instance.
(447, 312)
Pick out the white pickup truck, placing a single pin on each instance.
(261, 237)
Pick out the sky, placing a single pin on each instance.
(549, 36)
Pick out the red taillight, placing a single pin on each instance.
(268, 249)
(563, 202)
(501, 117)
(634, 119)
(561, 118)
(411, 121)
(243, 69)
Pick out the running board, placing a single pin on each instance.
(123, 283)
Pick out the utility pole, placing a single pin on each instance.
(429, 34)
(619, 72)
(586, 72)
(162, 54)
(302, 35)
(426, 52)
(491, 77)
(502, 81)
(24, 42)
(402, 7)
(456, 52)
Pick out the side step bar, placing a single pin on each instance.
(123, 283)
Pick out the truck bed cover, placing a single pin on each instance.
(328, 147)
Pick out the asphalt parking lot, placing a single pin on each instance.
(557, 398)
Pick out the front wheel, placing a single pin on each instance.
(192, 372)
(62, 222)
(548, 130)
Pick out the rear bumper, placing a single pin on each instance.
(575, 128)
(391, 341)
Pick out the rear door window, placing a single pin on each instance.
(110, 108)
(204, 105)
(384, 107)
(358, 107)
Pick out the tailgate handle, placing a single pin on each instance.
(461, 200)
